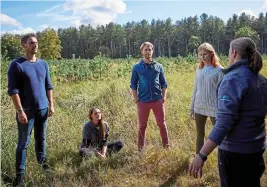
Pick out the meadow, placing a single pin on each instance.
(80, 84)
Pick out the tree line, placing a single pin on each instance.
(119, 41)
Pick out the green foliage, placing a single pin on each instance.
(78, 86)
(10, 46)
(193, 43)
(224, 60)
(169, 37)
(247, 32)
(191, 58)
(49, 44)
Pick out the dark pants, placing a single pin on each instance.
(200, 125)
(240, 170)
(36, 119)
(112, 147)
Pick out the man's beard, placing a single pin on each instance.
(34, 51)
(148, 56)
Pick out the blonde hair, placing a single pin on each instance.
(146, 43)
(215, 60)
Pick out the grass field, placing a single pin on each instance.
(74, 94)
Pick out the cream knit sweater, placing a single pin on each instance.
(204, 93)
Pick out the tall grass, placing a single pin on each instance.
(79, 85)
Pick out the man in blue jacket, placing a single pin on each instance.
(30, 89)
(149, 89)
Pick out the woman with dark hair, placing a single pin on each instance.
(240, 120)
(95, 134)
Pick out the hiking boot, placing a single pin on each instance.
(19, 181)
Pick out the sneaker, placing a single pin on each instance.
(19, 181)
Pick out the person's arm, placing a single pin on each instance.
(105, 142)
(135, 97)
(22, 117)
(104, 150)
(49, 92)
(230, 95)
(51, 109)
(134, 85)
(163, 83)
(195, 168)
(13, 76)
(164, 94)
(85, 137)
(192, 113)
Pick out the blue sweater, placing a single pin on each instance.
(30, 80)
(149, 79)
(242, 107)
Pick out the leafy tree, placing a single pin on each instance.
(247, 32)
(10, 46)
(193, 43)
(49, 44)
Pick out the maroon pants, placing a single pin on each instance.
(158, 108)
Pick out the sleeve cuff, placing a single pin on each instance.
(164, 85)
(49, 88)
(217, 135)
(11, 92)
(104, 142)
(133, 87)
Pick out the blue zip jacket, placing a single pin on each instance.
(241, 110)
(148, 79)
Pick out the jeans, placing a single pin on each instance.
(240, 170)
(36, 119)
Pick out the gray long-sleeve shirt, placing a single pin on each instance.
(91, 133)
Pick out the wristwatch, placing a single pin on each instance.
(203, 157)
(20, 110)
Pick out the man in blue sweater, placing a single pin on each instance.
(30, 89)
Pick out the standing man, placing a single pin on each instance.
(30, 89)
(149, 88)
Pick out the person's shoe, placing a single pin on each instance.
(19, 181)
(46, 167)
(141, 153)
(167, 146)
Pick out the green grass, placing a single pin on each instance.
(73, 98)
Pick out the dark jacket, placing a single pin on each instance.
(241, 110)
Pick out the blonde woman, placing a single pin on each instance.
(203, 104)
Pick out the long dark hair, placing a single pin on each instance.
(102, 129)
(246, 48)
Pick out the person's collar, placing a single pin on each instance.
(152, 62)
(235, 65)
